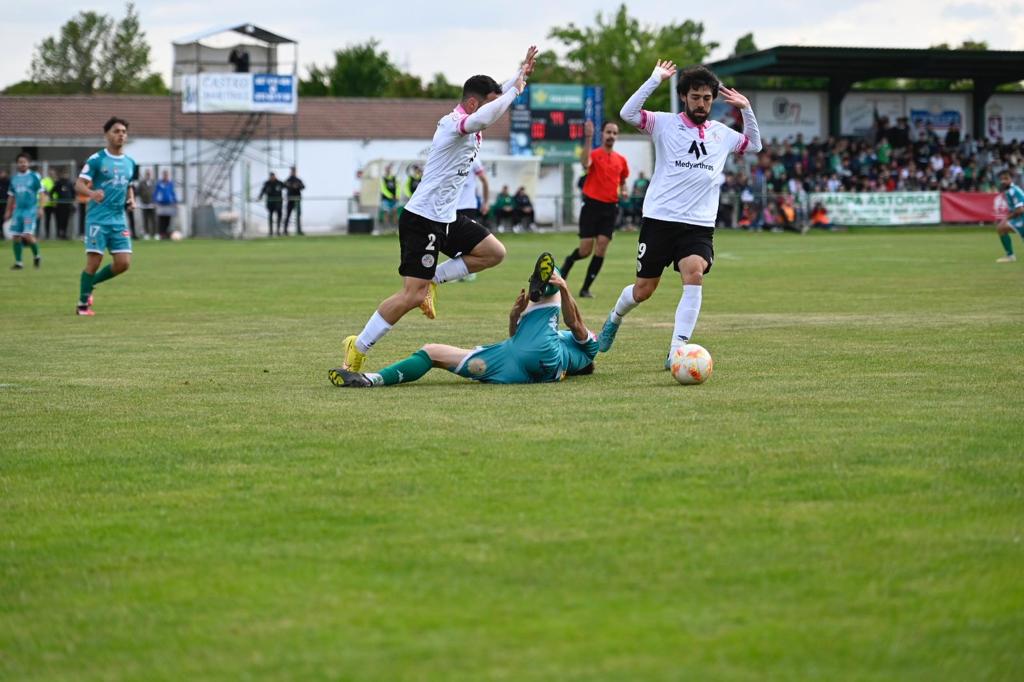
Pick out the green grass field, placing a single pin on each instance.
(184, 496)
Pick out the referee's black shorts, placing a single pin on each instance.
(597, 218)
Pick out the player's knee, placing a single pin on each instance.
(493, 252)
(121, 267)
(643, 291)
(585, 249)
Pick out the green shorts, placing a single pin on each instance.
(113, 238)
(24, 223)
(531, 356)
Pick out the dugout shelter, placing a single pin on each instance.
(846, 66)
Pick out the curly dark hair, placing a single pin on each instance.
(696, 77)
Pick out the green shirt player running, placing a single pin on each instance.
(27, 209)
(535, 352)
(106, 179)
(1014, 219)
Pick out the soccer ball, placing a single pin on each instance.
(691, 364)
(175, 236)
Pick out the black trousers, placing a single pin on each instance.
(297, 207)
(272, 210)
(149, 221)
(49, 216)
(63, 212)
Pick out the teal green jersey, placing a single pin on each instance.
(536, 353)
(575, 355)
(1014, 200)
(112, 174)
(25, 188)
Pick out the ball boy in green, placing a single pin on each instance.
(1014, 220)
(535, 352)
(106, 180)
(26, 209)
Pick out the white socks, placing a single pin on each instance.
(625, 303)
(686, 314)
(450, 270)
(373, 332)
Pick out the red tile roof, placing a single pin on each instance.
(63, 116)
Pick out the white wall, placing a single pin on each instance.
(329, 168)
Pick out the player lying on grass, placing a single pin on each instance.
(535, 352)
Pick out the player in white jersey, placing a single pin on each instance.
(429, 224)
(682, 200)
(471, 204)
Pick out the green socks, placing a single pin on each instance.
(35, 248)
(85, 288)
(17, 250)
(404, 371)
(1008, 244)
(105, 273)
(88, 282)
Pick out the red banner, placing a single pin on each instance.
(973, 207)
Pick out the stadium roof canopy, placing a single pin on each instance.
(844, 66)
(250, 30)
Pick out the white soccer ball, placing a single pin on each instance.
(176, 236)
(691, 364)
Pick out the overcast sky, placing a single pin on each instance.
(460, 39)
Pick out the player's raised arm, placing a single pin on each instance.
(525, 69)
(570, 311)
(488, 114)
(517, 311)
(752, 136)
(632, 111)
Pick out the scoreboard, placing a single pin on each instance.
(548, 119)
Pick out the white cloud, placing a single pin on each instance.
(429, 37)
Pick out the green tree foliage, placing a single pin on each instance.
(619, 52)
(365, 70)
(93, 53)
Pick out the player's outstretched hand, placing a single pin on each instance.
(558, 280)
(664, 69)
(530, 61)
(734, 98)
(97, 196)
(588, 130)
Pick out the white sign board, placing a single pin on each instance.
(940, 109)
(238, 92)
(882, 208)
(783, 115)
(1004, 117)
(857, 112)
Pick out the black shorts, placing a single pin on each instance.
(663, 243)
(422, 240)
(597, 218)
(471, 213)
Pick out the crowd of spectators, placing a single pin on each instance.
(759, 192)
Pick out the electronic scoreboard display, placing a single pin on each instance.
(548, 119)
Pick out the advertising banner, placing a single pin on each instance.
(973, 207)
(857, 112)
(783, 115)
(942, 110)
(208, 93)
(886, 208)
(1004, 118)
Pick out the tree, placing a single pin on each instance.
(365, 70)
(94, 53)
(619, 53)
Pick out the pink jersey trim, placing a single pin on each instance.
(743, 145)
(643, 120)
(690, 124)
